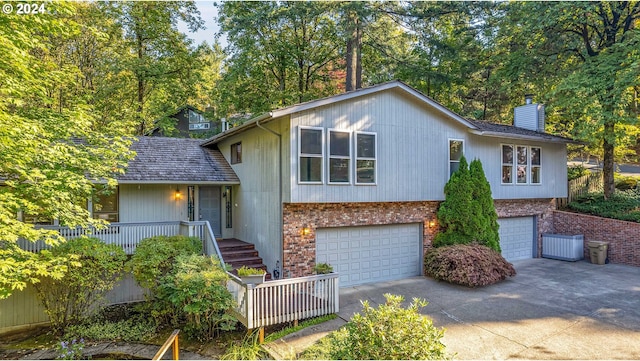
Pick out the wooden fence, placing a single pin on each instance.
(285, 300)
(588, 183)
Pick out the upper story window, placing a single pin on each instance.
(366, 153)
(236, 153)
(456, 150)
(105, 204)
(525, 160)
(535, 165)
(197, 121)
(339, 157)
(310, 154)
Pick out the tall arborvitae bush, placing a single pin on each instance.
(467, 215)
(487, 215)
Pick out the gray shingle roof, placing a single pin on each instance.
(510, 131)
(171, 160)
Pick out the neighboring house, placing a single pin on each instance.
(353, 180)
(190, 122)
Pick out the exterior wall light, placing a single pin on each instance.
(432, 223)
(305, 231)
(178, 195)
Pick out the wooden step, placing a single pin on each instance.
(238, 253)
(242, 253)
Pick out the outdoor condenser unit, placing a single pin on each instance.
(566, 248)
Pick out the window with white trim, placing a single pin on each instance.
(507, 164)
(339, 157)
(536, 165)
(456, 150)
(310, 154)
(521, 164)
(366, 152)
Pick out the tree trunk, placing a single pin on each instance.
(352, 50)
(608, 146)
(358, 56)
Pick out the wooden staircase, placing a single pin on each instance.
(238, 253)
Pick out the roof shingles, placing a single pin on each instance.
(165, 160)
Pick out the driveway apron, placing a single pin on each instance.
(550, 310)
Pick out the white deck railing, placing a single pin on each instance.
(129, 235)
(286, 300)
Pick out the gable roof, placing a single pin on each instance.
(163, 160)
(475, 127)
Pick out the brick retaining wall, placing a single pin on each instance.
(623, 237)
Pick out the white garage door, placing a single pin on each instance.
(516, 237)
(372, 253)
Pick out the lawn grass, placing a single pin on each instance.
(302, 325)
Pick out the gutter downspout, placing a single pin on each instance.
(280, 191)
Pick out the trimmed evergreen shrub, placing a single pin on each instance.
(468, 265)
(468, 215)
(486, 212)
(389, 332)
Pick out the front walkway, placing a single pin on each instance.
(550, 310)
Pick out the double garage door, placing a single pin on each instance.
(371, 253)
(517, 237)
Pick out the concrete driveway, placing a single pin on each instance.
(550, 310)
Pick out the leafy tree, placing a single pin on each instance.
(590, 51)
(389, 332)
(160, 58)
(467, 213)
(52, 147)
(93, 268)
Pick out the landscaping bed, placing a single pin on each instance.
(623, 205)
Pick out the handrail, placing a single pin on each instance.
(212, 239)
(171, 341)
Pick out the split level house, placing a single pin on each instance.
(353, 180)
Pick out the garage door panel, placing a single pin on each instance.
(517, 237)
(372, 253)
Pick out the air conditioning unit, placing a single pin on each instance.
(562, 247)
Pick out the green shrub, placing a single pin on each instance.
(389, 332)
(623, 205)
(626, 183)
(197, 288)
(575, 172)
(155, 256)
(93, 268)
(136, 329)
(469, 265)
(467, 214)
(248, 349)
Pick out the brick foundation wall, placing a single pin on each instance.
(623, 237)
(299, 248)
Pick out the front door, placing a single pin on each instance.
(210, 208)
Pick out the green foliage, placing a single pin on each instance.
(625, 183)
(46, 108)
(248, 271)
(92, 270)
(302, 325)
(137, 329)
(155, 256)
(389, 332)
(197, 288)
(623, 205)
(469, 265)
(322, 268)
(248, 349)
(468, 214)
(576, 171)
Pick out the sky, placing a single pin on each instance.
(207, 12)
